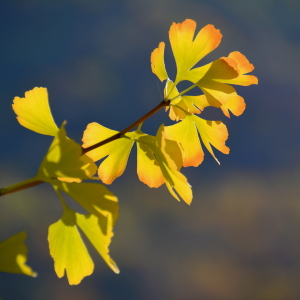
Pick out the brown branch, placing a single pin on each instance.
(31, 182)
(19, 186)
(130, 127)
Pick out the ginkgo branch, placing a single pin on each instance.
(20, 186)
(118, 135)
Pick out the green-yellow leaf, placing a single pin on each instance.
(68, 250)
(64, 160)
(92, 228)
(33, 112)
(13, 255)
(94, 197)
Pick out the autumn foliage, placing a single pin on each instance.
(71, 170)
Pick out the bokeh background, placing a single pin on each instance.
(240, 238)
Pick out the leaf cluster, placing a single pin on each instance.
(160, 158)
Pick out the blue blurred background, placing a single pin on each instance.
(240, 239)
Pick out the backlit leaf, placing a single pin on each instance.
(244, 67)
(94, 197)
(157, 62)
(13, 255)
(186, 133)
(158, 160)
(148, 169)
(69, 251)
(188, 50)
(168, 156)
(212, 78)
(64, 160)
(92, 227)
(117, 151)
(33, 112)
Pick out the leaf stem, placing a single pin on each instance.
(20, 186)
(164, 103)
(183, 92)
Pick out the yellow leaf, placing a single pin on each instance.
(157, 62)
(212, 78)
(148, 169)
(168, 157)
(235, 104)
(223, 68)
(117, 151)
(186, 133)
(13, 255)
(217, 93)
(190, 104)
(214, 82)
(212, 133)
(209, 79)
(170, 162)
(68, 250)
(158, 160)
(244, 67)
(188, 50)
(92, 228)
(94, 197)
(64, 160)
(33, 112)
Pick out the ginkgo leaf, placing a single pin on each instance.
(188, 50)
(64, 160)
(244, 67)
(167, 155)
(148, 169)
(223, 68)
(13, 255)
(69, 251)
(213, 133)
(94, 197)
(117, 151)
(235, 104)
(158, 160)
(186, 133)
(216, 93)
(206, 78)
(183, 104)
(213, 78)
(33, 112)
(170, 162)
(92, 228)
(209, 79)
(158, 63)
